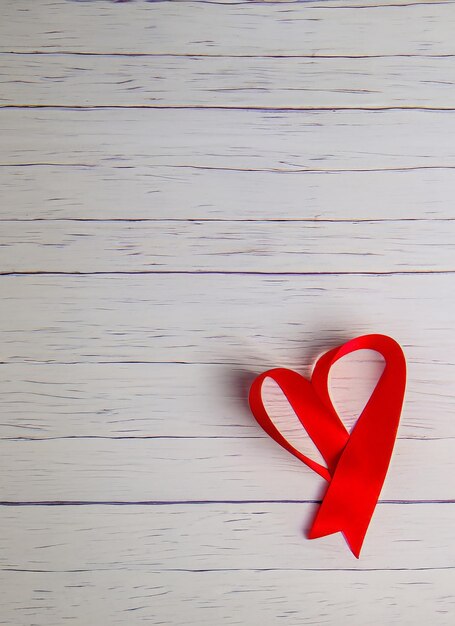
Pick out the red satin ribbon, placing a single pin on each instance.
(356, 464)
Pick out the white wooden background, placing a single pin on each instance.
(192, 192)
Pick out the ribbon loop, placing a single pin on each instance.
(356, 464)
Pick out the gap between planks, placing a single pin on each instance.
(191, 107)
(220, 56)
(50, 503)
(310, 220)
(214, 168)
(225, 273)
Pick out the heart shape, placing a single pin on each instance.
(356, 463)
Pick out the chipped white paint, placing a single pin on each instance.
(242, 185)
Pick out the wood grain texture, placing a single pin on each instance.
(245, 140)
(272, 597)
(211, 537)
(164, 246)
(196, 470)
(195, 28)
(243, 185)
(363, 82)
(42, 401)
(200, 318)
(154, 192)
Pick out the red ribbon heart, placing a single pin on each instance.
(356, 464)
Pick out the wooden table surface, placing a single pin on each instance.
(191, 193)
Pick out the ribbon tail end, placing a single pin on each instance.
(353, 539)
(355, 542)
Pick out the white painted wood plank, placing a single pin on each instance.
(195, 469)
(213, 536)
(228, 246)
(120, 400)
(68, 80)
(229, 598)
(296, 140)
(258, 321)
(249, 29)
(154, 192)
